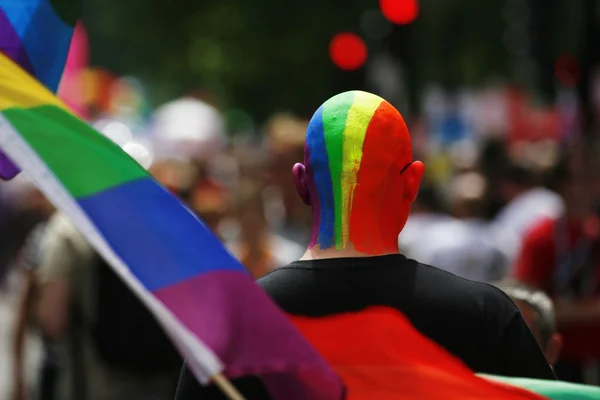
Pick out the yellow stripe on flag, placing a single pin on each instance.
(19, 89)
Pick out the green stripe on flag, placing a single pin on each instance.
(553, 390)
(85, 161)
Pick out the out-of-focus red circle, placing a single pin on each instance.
(348, 51)
(400, 12)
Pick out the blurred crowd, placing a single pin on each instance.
(512, 194)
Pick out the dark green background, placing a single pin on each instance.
(268, 55)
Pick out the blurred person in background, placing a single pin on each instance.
(526, 203)
(253, 247)
(99, 327)
(561, 256)
(187, 129)
(187, 133)
(284, 143)
(7, 213)
(538, 312)
(353, 261)
(257, 248)
(210, 201)
(427, 211)
(110, 345)
(464, 245)
(177, 176)
(23, 207)
(26, 264)
(491, 162)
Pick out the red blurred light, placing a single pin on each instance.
(400, 12)
(348, 51)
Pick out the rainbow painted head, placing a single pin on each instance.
(358, 174)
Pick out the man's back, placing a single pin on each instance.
(474, 321)
(360, 180)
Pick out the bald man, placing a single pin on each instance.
(360, 179)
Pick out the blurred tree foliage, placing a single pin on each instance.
(260, 55)
(267, 55)
(459, 42)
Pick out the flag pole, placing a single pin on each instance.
(227, 387)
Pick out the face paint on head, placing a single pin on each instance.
(358, 174)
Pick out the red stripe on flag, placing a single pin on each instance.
(379, 355)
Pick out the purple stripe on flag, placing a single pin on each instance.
(11, 45)
(8, 169)
(233, 316)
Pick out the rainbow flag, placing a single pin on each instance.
(220, 320)
(380, 355)
(36, 34)
(553, 390)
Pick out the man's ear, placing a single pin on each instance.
(412, 180)
(301, 182)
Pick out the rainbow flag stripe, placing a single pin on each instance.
(211, 307)
(553, 390)
(344, 134)
(36, 34)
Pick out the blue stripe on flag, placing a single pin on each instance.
(44, 36)
(163, 247)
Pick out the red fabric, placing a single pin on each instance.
(536, 265)
(536, 262)
(379, 355)
(529, 123)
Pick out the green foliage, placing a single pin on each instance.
(260, 56)
(263, 56)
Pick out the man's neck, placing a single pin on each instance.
(316, 253)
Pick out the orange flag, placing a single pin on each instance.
(380, 355)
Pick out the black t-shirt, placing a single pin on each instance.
(474, 321)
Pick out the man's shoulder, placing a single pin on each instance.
(480, 288)
(275, 277)
(488, 297)
(440, 283)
